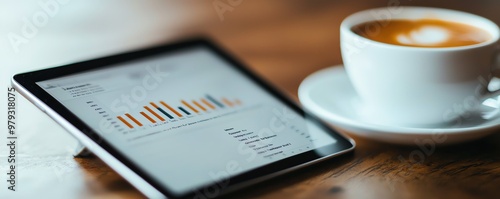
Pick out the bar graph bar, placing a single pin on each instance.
(189, 106)
(133, 119)
(227, 102)
(161, 110)
(199, 106)
(155, 114)
(184, 110)
(213, 100)
(125, 122)
(165, 113)
(207, 103)
(147, 117)
(170, 108)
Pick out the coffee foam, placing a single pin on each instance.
(425, 35)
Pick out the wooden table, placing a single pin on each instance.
(284, 41)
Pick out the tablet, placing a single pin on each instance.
(184, 120)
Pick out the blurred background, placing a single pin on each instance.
(271, 36)
(283, 40)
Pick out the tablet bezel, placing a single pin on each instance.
(28, 82)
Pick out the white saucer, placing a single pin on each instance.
(329, 94)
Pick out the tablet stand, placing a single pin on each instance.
(81, 151)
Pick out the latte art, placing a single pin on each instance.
(429, 35)
(423, 33)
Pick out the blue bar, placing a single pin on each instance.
(215, 101)
(184, 110)
(165, 113)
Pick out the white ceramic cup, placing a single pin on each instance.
(418, 86)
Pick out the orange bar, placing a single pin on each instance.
(133, 119)
(155, 114)
(189, 106)
(147, 117)
(170, 108)
(207, 103)
(125, 122)
(153, 104)
(227, 102)
(237, 102)
(199, 105)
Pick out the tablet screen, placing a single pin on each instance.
(187, 118)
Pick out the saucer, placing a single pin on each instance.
(330, 95)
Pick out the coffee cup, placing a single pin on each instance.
(422, 76)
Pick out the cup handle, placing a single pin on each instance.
(495, 71)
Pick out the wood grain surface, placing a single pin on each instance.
(284, 41)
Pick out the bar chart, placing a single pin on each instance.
(161, 111)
